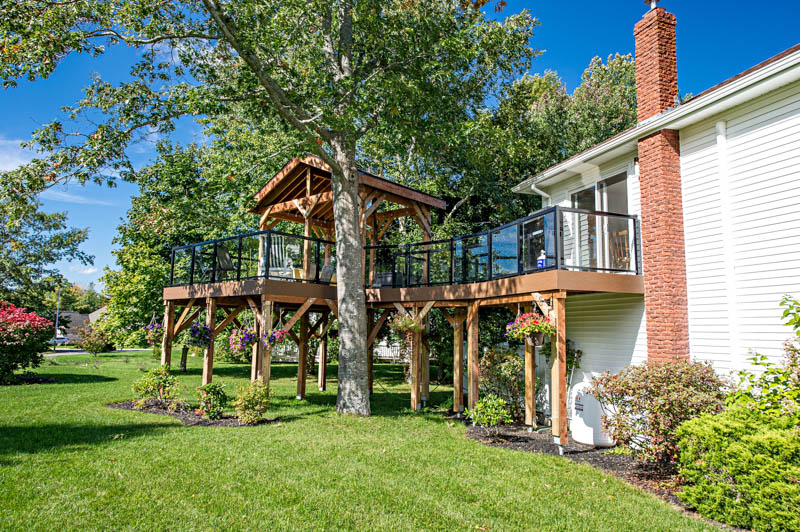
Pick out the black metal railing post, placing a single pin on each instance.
(239, 264)
(172, 268)
(520, 245)
(490, 257)
(268, 255)
(214, 264)
(636, 246)
(559, 235)
(428, 265)
(319, 266)
(452, 259)
(191, 266)
(407, 280)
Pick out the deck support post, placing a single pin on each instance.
(370, 347)
(416, 370)
(425, 369)
(472, 355)
(169, 331)
(558, 399)
(323, 353)
(458, 362)
(302, 357)
(530, 382)
(208, 354)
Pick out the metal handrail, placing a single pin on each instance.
(467, 264)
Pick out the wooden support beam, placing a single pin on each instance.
(400, 308)
(231, 315)
(168, 333)
(424, 312)
(370, 350)
(262, 222)
(208, 354)
(185, 312)
(303, 205)
(294, 337)
(541, 302)
(302, 357)
(472, 355)
(530, 382)
(425, 365)
(322, 372)
(333, 306)
(416, 370)
(299, 313)
(558, 400)
(458, 360)
(184, 324)
(374, 331)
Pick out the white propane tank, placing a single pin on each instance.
(586, 424)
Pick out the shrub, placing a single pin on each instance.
(643, 405)
(502, 373)
(776, 390)
(489, 413)
(251, 402)
(742, 467)
(23, 337)
(212, 399)
(158, 385)
(92, 341)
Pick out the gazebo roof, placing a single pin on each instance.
(302, 188)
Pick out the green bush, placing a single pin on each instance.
(212, 399)
(92, 340)
(157, 385)
(643, 405)
(251, 402)
(742, 467)
(489, 413)
(502, 373)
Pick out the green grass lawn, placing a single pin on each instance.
(68, 462)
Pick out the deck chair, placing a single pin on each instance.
(620, 250)
(280, 264)
(224, 265)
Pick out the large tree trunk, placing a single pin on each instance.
(353, 395)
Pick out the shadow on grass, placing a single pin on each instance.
(77, 378)
(37, 438)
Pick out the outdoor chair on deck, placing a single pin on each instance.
(224, 265)
(620, 250)
(280, 265)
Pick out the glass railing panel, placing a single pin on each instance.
(327, 263)
(253, 256)
(203, 263)
(598, 242)
(286, 257)
(505, 251)
(227, 259)
(538, 242)
(471, 261)
(385, 266)
(440, 263)
(182, 266)
(417, 265)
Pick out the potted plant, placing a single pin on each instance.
(530, 327)
(199, 335)
(241, 339)
(153, 333)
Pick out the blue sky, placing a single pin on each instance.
(715, 40)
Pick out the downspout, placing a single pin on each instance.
(540, 192)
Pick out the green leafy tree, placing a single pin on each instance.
(333, 71)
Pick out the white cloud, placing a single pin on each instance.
(67, 197)
(84, 270)
(12, 155)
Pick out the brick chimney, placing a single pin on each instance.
(663, 252)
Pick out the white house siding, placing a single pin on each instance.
(740, 174)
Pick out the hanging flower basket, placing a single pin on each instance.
(199, 335)
(530, 327)
(277, 336)
(403, 323)
(153, 333)
(241, 339)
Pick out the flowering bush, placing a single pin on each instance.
(23, 336)
(643, 405)
(241, 339)
(153, 333)
(251, 402)
(199, 335)
(93, 340)
(212, 399)
(278, 336)
(528, 324)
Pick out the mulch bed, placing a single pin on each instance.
(657, 479)
(186, 415)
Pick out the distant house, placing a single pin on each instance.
(94, 316)
(71, 322)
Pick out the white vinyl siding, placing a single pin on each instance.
(741, 202)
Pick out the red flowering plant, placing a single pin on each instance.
(528, 325)
(23, 337)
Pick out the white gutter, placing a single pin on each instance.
(779, 73)
(540, 192)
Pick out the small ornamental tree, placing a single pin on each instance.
(23, 337)
(644, 405)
